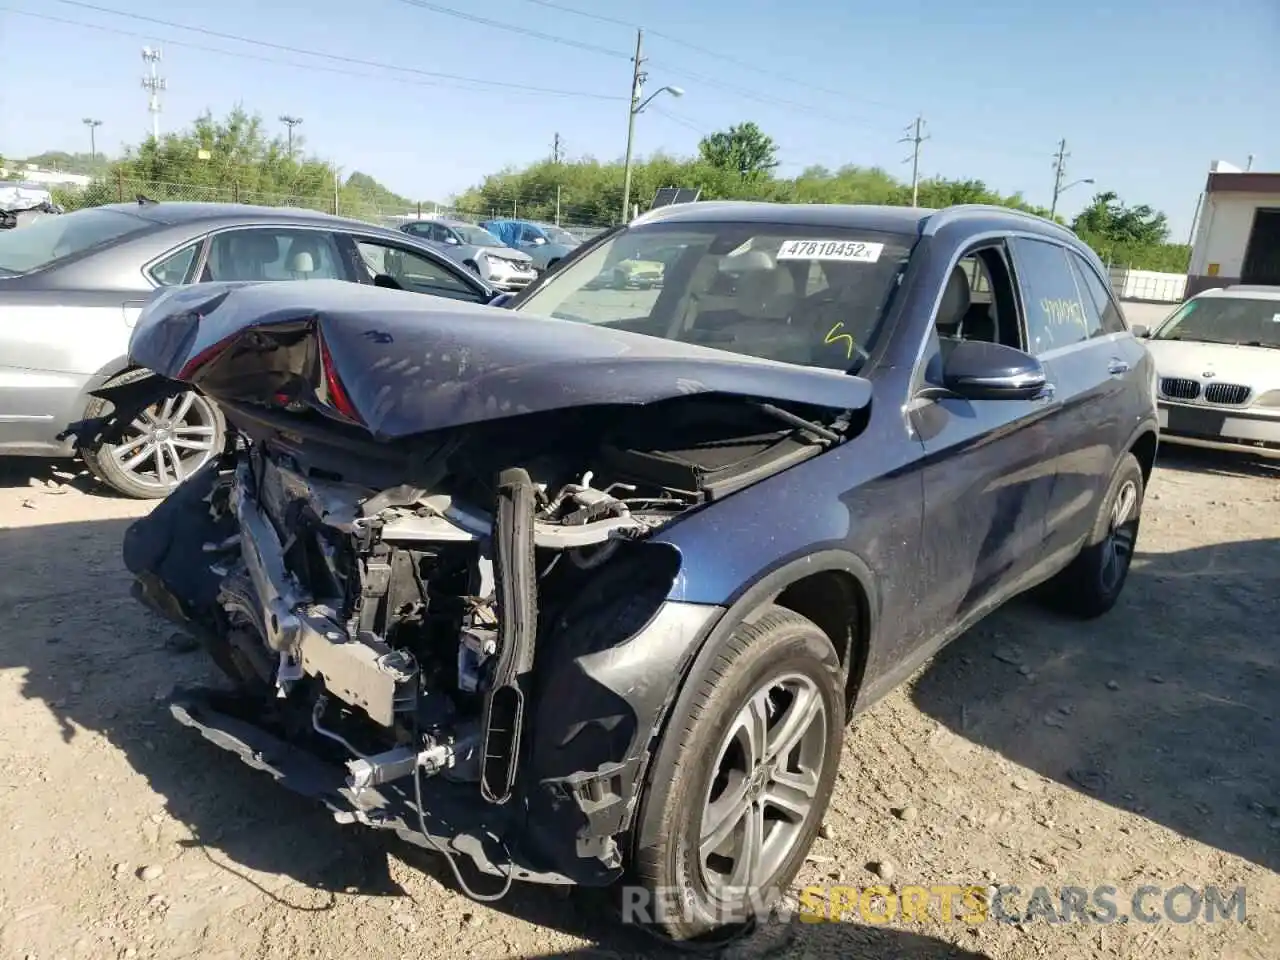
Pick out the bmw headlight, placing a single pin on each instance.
(1269, 399)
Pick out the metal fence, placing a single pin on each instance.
(340, 200)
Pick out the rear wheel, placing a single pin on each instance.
(168, 442)
(1091, 585)
(742, 779)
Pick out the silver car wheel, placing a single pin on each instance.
(764, 788)
(167, 442)
(1121, 535)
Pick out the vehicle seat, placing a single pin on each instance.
(955, 304)
(306, 260)
(979, 324)
(248, 254)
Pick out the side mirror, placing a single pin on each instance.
(539, 241)
(1140, 331)
(452, 241)
(500, 299)
(977, 370)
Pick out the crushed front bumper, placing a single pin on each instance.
(456, 824)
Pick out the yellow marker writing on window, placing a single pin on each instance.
(834, 337)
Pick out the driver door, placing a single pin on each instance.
(989, 468)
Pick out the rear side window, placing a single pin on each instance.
(273, 253)
(49, 240)
(173, 269)
(1096, 295)
(1056, 315)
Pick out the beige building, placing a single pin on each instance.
(1237, 237)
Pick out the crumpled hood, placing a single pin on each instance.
(411, 363)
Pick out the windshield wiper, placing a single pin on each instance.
(800, 423)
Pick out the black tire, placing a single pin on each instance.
(106, 468)
(551, 264)
(678, 794)
(1092, 583)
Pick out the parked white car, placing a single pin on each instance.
(1218, 366)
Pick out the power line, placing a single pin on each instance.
(675, 118)
(513, 28)
(286, 48)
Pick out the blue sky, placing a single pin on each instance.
(1146, 92)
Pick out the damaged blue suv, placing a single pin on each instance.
(585, 590)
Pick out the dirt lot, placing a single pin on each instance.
(1141, 749)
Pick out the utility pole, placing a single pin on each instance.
(93, 142)
(1248, 164)
(153, 83)
(557, 149)
(1059, 172)
(633, 105)
(557, 205)
(290, 122)
(915, 136)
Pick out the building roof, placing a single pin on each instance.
(1243, 182)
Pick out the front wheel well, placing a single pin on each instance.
(837, 603)
(1144, 448)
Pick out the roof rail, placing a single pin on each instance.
(960, 210)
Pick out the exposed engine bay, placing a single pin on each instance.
(398, 629)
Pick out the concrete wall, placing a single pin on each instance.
(1222, 236)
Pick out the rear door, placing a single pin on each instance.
(1089, 366)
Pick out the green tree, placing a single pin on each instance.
(1136, 236)
(744, 148)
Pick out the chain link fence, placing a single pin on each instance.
(341, 200)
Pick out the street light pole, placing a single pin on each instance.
(290, 122)
(636, 106)
(637, 80)
(93, 141)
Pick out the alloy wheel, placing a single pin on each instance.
(764, 786)
(1122, 532)
(167, 442)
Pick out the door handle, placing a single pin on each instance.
(1117, 366)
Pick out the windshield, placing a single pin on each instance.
(50, 239)
(476, 236)
(1234, 320)
(807, 295)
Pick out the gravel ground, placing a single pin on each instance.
(1138, 749)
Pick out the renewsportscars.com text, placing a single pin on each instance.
(969, 904)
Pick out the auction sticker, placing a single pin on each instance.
(852, 251)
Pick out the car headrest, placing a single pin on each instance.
(255, 245)
(955, 303)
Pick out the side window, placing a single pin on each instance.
(412, 271)
(1110, 320)
(989, 312)
(273, 253)
(1055, 314)
(173, 269)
